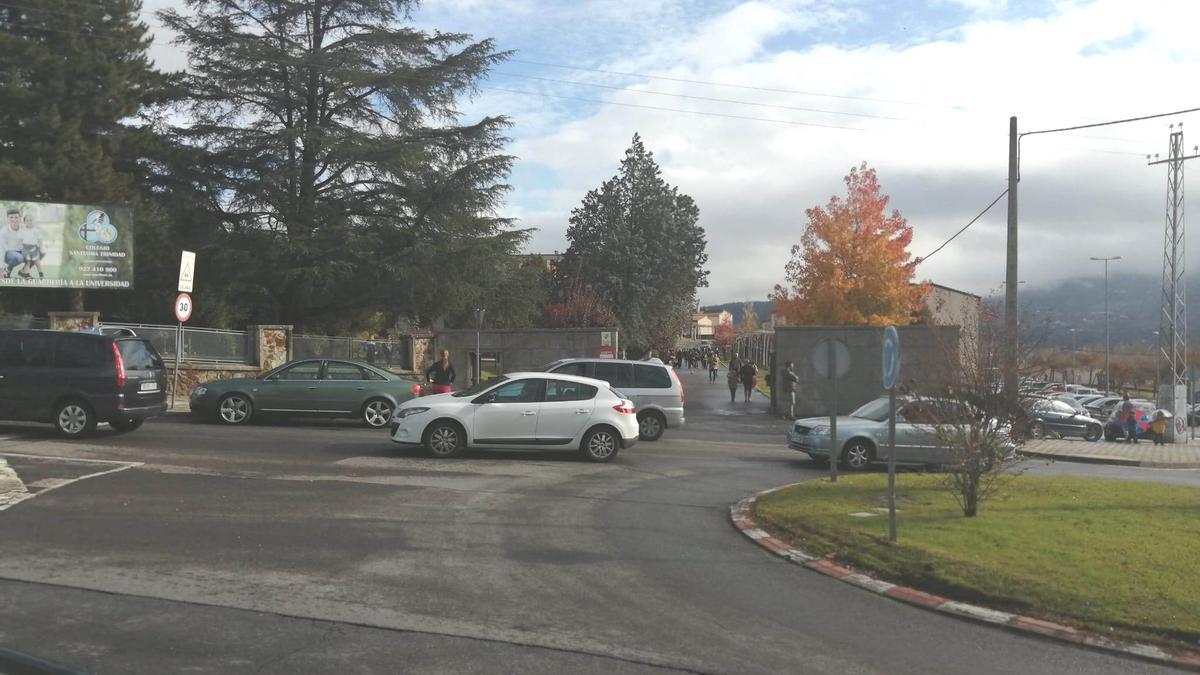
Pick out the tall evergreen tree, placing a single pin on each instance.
(340, 174)
(636, 241)
(73, 76)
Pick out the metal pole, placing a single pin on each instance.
(892, 464)
(178, 354)
(833, 439)
(1010, 290)
(1107, 371)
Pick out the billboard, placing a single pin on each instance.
(65, 245)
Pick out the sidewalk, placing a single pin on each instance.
(1143, 454)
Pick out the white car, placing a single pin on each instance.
(521, 410)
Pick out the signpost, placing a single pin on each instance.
(183, 312)
(891, 372)
(187, 271)
(831, 359)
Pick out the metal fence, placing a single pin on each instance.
(200, 345)
(15, 321)
(391, 354)
(756, 347)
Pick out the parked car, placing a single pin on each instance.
(656, 391)
(76, 380)
(1115, 428)
(1085, 399)
(1081, 389)
(312, 387)
(863, 434)
(1054, 415)
(1101, 408)
(522, 410)
(1071, 401)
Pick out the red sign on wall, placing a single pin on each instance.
(607, 353)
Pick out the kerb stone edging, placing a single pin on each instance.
(742, 515)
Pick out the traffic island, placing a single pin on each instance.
(1106, 564)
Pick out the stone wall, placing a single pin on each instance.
(928, 358)
(192, 374)
(273, 345)
(74, 321)
(519, 349)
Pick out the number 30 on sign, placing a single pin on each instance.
(183, 307)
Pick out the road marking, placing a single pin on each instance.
(13, 490)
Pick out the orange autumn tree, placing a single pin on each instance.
(852, 266)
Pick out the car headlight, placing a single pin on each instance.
(199, 391)
(819, 430)
(408, 412)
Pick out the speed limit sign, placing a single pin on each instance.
(183, 307)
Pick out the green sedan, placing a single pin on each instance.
(316, 387)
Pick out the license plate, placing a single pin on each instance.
(149, 386)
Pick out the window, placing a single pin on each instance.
(25, 350)
(139, 355)
(79, 351)
(560, 390)
(579, 368)
(918, 412)
(521, 391)
(337, 370)
(479, 387)
(619, 375)
(650, 377)
(309, 370)
(1060, 407)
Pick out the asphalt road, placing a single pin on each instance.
(321, 547)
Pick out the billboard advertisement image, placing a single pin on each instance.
(66, 245)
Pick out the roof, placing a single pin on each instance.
(952, 290)
(558, 376)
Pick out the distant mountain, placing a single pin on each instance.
(1072, 312)
(762, 309)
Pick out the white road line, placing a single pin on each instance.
(11, 494)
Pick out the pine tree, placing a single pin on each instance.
(636, 241)
(73, 75)
(344, 181)
(852, 266)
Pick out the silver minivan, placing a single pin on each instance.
(653, 387)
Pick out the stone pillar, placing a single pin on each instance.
(273, 345)
(74, 321)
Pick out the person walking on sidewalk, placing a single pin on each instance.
(749, 374)
(1129, 417)
(441, 375)
(789, 388)
(713, 367)
(732, 378)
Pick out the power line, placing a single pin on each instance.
(698, 98)
(964, 227)
(732, 86)
(1110, 123)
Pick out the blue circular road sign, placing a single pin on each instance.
(891, 357)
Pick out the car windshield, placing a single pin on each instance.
(876, 410)
(480, 387)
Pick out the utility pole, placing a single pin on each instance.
(1010, 286)
(1107, 372)
(1172, 334)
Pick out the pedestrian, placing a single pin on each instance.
(713, 367)
(732, 378)
(1129, 417)
(735, 363)
(441, 375)
(1159, 427)
(789, 388)
(371, 349)
(749, 374)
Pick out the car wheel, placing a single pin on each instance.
(377, 413)
(857, 455)
(74, 419)
(126, 423)
(1037, 429)
(1093, 433)
(651, 426)
(600, 445)
(235, 409)
(445, 439)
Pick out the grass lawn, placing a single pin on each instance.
(1119, 557)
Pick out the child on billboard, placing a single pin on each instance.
(32, 247)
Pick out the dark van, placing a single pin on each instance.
(77, 380)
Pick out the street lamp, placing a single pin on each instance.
(1107, 373)
(479, 312)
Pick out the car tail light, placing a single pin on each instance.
(682, 392)
(120, 366)
(624, 407)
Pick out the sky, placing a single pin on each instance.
(920, 91)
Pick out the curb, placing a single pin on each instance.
(742, 515)
(1114, 461)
